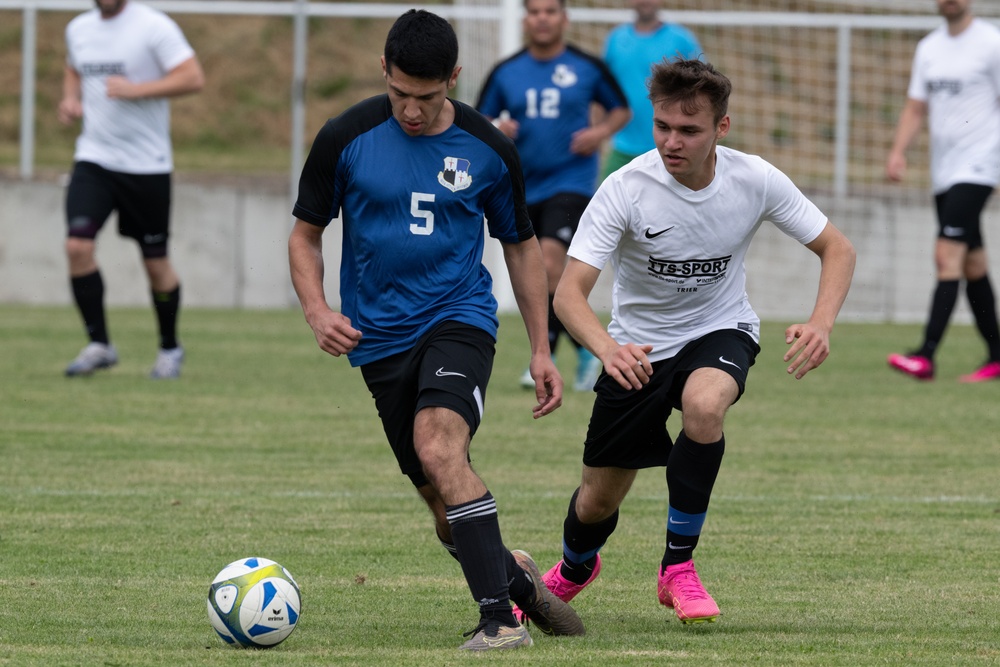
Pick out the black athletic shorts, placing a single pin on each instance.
(558, 217)
(628, 427)
(958, 210)
(449, 367)
(142, 202)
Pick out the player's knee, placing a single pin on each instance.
(79, 251)
(592, 507)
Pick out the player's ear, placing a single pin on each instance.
(453, 80)
(384, 71)
(723, 129)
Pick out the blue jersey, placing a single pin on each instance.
(551, 99)
(412, 210)
(630, 56)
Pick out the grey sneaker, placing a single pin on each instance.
(490, 635)
(550, 614)
(91, 358)
(168, 364)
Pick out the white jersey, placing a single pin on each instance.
(140, 44)
(678, 254)
(959, 79)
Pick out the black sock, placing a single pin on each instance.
(942, 304)
(448, 546)
(555, 326)
(88, 292)
(984, 308)
(167, 306)
(484, 558)
(691, 472)
(582, 541)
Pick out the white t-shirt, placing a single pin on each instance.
(141, 44)
(678, 254)
(959, 79)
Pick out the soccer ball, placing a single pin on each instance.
(254, 602)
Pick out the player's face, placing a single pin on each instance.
(418, 105)
(109, 8)
(646, 10)
(953, 10)
(544, 22)
(686, 142)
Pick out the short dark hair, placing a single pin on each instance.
(685, 80)
(422, 45)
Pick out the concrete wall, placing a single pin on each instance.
(229, 246)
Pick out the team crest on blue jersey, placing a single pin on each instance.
(455, 176)
(564, 77)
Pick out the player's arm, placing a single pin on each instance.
(627, 364)
(810, 342)
(333, 331)
(184, 79)
(910, 122)
(70, 106)
(589, 139)
(527, 277)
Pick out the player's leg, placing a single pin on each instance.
(982, 302)
(591, 518)
(957, 211)
(978, 288)
(627, 432)
(89, 202)
(455, 366)
(720, 364)
(144, 215)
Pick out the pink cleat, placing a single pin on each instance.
(680, 588)
(913, 365)
(562, 588)
(990, 371)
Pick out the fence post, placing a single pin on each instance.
(299, 49)
(28, 41)
(843, 112)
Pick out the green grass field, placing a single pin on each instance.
(856, 520)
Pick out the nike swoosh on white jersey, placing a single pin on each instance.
(441, 372)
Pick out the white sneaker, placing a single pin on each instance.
(587, 370)
(91, 358)
(526, 380)
(168, 364)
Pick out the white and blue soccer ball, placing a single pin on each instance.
(254, 602)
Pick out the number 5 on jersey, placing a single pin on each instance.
(425, 227)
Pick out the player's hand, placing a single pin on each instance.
(810, 346)
(548, 385)
(586, 141)
(895, 167)
(118, 87)
(629, 365)
(70, 110)
(508, 126)
(334, 332)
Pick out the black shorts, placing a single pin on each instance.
(449, 367)
(628, 428)
(142, 202)
(958, 210)
(558, 217)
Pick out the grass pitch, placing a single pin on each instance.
(855, 520)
